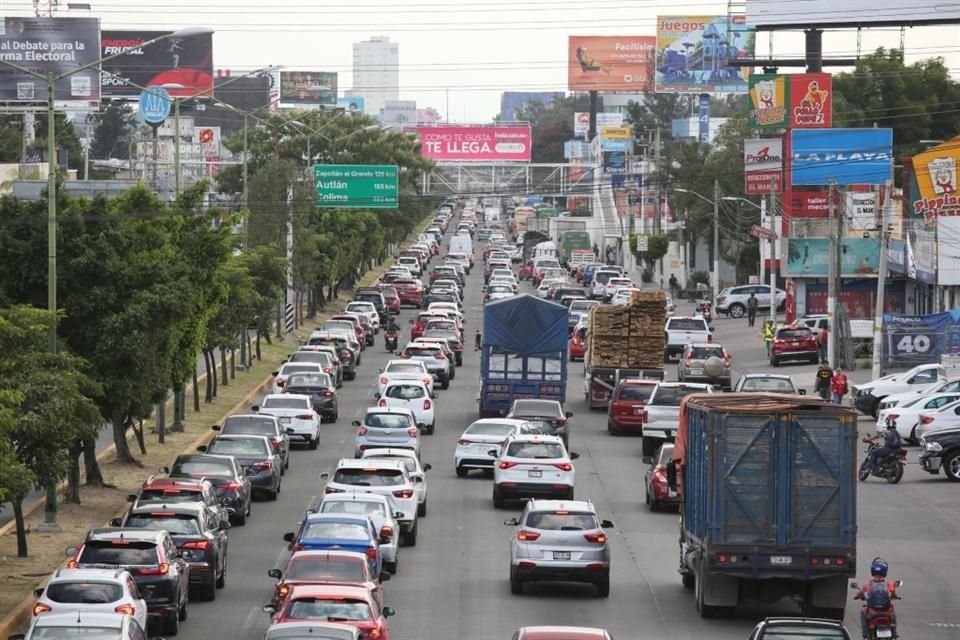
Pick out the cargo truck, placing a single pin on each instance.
(768, 501)
(524, 353)
(623, 341)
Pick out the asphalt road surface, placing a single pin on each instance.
(453, 585)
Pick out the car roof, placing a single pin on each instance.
(277, 396)
(174, 483)
(83, 574)
(177, 508)
(348, 518)
(360, 463)
(117, 533)
(783, 376)
(560, 505)
(298, 629)
(562, 633)
(81, 619)
(389, 452)
(320, 590)
(680, 385)
(536, 437)
(356, 497)
(395, 410)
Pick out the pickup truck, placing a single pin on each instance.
(867, 397)
(662, 411)
(683, 330)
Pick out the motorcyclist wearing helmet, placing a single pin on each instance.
(891, 444)
(878, 596)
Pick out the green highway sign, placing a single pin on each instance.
(358, 186)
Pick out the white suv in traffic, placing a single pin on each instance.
(412, 395)
(532, 466)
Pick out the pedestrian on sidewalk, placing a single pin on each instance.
(752, 305)
(477, 341)
(596, 251)
(674, 285)
(838, 386)
(823, 382)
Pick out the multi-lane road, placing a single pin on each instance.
(453, 585)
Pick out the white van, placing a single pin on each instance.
(461, 243)
(545, 250)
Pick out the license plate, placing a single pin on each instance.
(781, 560)
(884, 633)
(535, 474)
(696, 372)
(286, 420)
(561, 555)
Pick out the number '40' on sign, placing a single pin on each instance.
(919, 343)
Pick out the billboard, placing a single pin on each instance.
(762, 165)
(581, 122)
(693, 54)
(796, 101)
(811, 257)
(513, 101)
(610, 63)
(615, 162)
(913, 340)
(808, 204)
(400, 112)
(50, 46)
(935, 171)
(184, 66)
(476, 142)
(861, 210)
(775, 14)
(308, 88)
(846, 156)
(353, 106)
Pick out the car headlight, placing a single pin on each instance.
(932, 446)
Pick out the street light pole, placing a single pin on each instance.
(715, 276)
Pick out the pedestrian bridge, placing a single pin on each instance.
(508, 179)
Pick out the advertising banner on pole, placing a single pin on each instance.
(808, 204)
(316, 89)
(846, 156)
(811, 257)
(478, 143)
(913, 340)
(615, 162)
(762, 165)
(861, 210)
(581, 122)
(610, 63)
(817, 14)
(51, 45)
(703, 115)
(353, 106)
(184, 66)
(694, 52)
(796, 101)
(935, 171)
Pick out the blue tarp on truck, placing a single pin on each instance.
(769, 500)
(524, 353)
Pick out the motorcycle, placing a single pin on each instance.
(889, 468)
(880, 623)
(704, 308)
(390, 341)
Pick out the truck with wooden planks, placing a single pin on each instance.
(768, 501)
(623, 341)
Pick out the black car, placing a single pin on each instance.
(348, 359)
(372, 294)
(323, 397)
(441, 296)
(812, 628)
(559, 292)
(259, 424)
(198, 533)
(257, 457)
(941, 450)
(152, 558)
(453, 338)
(229, 481)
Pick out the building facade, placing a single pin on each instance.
(376, 73)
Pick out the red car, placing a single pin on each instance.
(794, 343)
(578, 344)
(326, 567)
(409, 292)
(391, 297)
(658, 490)
(351, 605)
(526, 271)
(627, 412)
(420, 322)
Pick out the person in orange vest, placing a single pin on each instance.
(838, 385)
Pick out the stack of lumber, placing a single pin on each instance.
(628, 336)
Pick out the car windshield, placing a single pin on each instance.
(671, 396)
(369, 477)
(44, 632)
(286, 402)
(354, 507)
(170, 495)
(251, 425)
(175, 524)
(442, 325)
(84, 592)
(794, 334)
(777, 385)
(298, 368)
(500, 288)
(118, 552)
(423, 352)
(323, 568)
(404, 367)
(336, 530)
(585, 305)
(787, 632)
(702, 353)
(405, 392)
(536, 408)
(320, 357)
(299, 380)
(387, 421)
(535, 450)
(561, 520)
(331, 610)
(637, 393)
(213, 468)
(490, 429)
(239, 447)
(687, 324)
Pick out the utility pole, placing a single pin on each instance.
(715, 276)
(657, 206)
(881, 284)
(771, 211)
(832, 278)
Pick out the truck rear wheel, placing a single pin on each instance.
(706, 610)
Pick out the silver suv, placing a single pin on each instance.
(732, 301)
(560, 540)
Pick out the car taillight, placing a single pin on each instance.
(283, 591)
(40, 608)
(231, 486)
(263, 465)
(463, 441)
(276, 442)
(426, 404)
(332, 490)
(371, 552)
(279, 382)
(299, 547)
(384, 380)
(926, 419)
(893, 416)
(197, 544)
(643, 416)
(563, 466)
(162, 569)
(687, 362)
(326, 394)
(403, 493)
(709, 337)
(598, 538)
(506, 465)
(386, 531)
(382, 402)
(128, 609)
(362, 431)
(721, 299)
(347, 355)
(327, 370)
(441, 357)
(412, 432)
(374, 634)
(527, 535)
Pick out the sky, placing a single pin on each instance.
(456, 55)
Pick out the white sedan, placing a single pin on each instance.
(280, 376)
(947, 416)
(412, 395)
(475, 443)
(404, 370)
(415, 469)
(622, 294)
(295, 411)
(906, 415)
(367, 309)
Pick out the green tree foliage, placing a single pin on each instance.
(552, 125)
(116, 122)
(918, 101)
(11, 138)
(657, 246)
